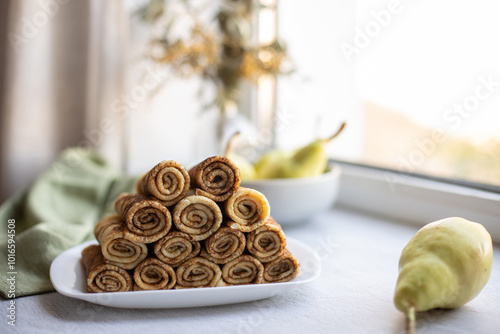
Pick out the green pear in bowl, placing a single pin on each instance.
(297, 184)
(310, 160)
(269, 164)
(247, 169)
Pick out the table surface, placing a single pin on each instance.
(353, 294)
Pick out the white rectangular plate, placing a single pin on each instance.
(68, 277)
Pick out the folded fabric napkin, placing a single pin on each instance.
(58, 211)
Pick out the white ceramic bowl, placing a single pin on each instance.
(295, 200)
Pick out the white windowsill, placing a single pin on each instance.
(416, 200)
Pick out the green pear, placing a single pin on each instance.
(445, 265)
(270, 163)
(310, 160)
(247, 170)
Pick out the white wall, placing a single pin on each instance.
(167, 120)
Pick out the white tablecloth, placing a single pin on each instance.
(353, 295)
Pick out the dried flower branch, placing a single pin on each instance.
(224, 55)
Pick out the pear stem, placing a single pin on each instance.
(342, 126)
(230, 143)
(410, 321)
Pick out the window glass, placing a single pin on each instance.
(427, 74)
(417, 82)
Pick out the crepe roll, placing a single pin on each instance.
(153, 274)
(267, 242)
(216, 178)
(101, 276)
(282, 269)
(117, 250)
(247, 210)
(197, 216)
(197, 273)
(168, 182)
(244, 269)
(147, 219)
(224, 245)
(176, 247)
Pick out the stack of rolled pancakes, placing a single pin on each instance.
(188, 229)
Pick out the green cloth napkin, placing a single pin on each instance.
(58, 211)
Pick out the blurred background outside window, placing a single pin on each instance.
(428, 80)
